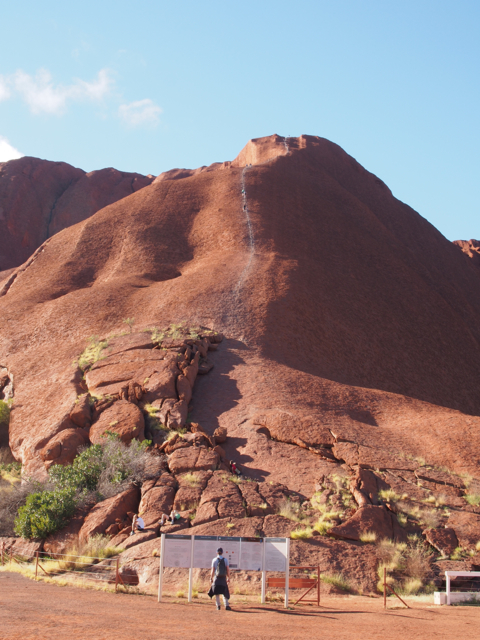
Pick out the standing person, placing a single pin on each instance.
(220, 576)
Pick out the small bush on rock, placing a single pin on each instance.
(92, 352)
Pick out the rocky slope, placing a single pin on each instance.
(38, 198)
(351, 359)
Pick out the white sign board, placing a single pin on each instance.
(251, 554)
(231, 550)
(204, 551)
(276, 554)
(177, 551)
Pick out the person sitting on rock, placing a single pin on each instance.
(137, 524)
(174, 515)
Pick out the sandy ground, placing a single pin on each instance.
(30, 610)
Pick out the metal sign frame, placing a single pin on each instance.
(219, 539)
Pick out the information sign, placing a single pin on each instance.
(177, 551)
(251, 554)
(276, 554)
(204, 551)
(231, 550)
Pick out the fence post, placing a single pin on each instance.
(36, 564)
(3, 553)
(318, 585)
(384, 587)
(448, 586)
(116, 574)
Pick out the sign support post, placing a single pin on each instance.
(160, 574)
(264, 574)
(190, 572)
(287, 573)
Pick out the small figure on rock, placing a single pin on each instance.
(234, 469)
(220, 576)
(174, 515)
(137, 524)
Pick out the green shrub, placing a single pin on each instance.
(4, 412)
(83, 474)
(45, 513)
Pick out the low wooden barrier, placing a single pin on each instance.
(303, 582)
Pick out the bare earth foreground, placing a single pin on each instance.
(33, 611)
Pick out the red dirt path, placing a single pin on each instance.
(34, 611)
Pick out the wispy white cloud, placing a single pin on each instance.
(7, 152)
(43, 96)
(4, 90)
(141, 112)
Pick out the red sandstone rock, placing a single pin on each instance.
(368, 519)
(157, 500)
(444, 540)
(337, 312)
(467, 528)
(123, 418)
(81, 413)
(66, 538)
(63, 447)
(105, 513)
(38, 198)
(220, 435)
(192, 459)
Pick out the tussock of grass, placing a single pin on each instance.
(473, 499)
(368, 537)
(92, 352)
(337, 580)
(411, 586)
(388, 495)
(286, 509)
(180, 594)
(323, 527)
(301, 534)
(191, 479)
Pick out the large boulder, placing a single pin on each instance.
(444, 540)
(255, 504)
(304, 431)
(193, 459)
(122, 418)
(190, 490)
(220, 499)
(63, 447)
(370, 519)
(466, 526)
(107, 512)
(157, 498)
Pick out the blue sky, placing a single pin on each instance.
(155, 85)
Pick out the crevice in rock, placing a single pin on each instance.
(8, 285)
(50, 215)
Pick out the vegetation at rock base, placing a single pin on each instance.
(407, 565)
(337, 580)
(301, 534)
(97, 473)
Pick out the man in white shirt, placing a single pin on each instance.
(137, 524)
(220, 576)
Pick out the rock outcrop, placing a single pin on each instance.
(347, 384)
(39, 198)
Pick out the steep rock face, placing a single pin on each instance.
(39, 198)
(345, 312)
